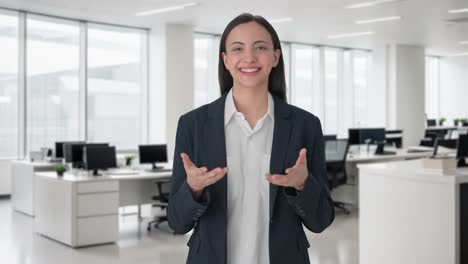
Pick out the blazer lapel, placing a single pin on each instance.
(281, 135)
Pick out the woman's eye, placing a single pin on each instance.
(261, 48)
(236, 49)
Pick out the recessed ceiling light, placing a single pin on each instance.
(464, 42)
(372, 3)
(376, 20)
(456, 11)
(458, 54)
(165, 9)
(280, 20)
(349, 35)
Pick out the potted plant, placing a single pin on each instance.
(60, 169)
(464, 121)
(456, 121)
(441, 121)
(128, 160)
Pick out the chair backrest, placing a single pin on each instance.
(329, 137)
(431, 122)
(336, 150)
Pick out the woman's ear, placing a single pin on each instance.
(277, 57)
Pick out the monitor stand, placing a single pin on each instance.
(462, 163)
(96, 173)
(155, 167)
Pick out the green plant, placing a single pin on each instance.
(60, 169)
(463, 120)
(441, 121)
(128, 159)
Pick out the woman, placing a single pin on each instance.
(249, 169)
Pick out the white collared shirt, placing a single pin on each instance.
(248, 154)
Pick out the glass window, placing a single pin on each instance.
(305, 89)
(361, 62)
(8, 85)
(115, 97)
(331, 91)
(432, 87)
(206, 49)
(52, 68)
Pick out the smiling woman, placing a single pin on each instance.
(275, 180)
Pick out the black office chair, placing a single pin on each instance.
(430, 137)
(431, 122)
(335, 155)
(162, 200)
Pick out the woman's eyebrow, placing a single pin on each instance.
(256, 42)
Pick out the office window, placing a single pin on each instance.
(286, 47)
(206, 50)
(332, 57)
(8, 85)
(305, 88)
(115, 98)
(52, 100)
(432, 87)
(361, 62)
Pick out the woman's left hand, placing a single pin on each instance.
(295, 176)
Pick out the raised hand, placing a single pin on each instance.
(295, 176)
(199, 178)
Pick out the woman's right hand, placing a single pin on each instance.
(199, 178)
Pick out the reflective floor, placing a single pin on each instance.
(20, 245)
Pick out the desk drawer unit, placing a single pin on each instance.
(97, 207)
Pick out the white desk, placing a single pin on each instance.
(409, 214)
(83, 210)
(22, 173)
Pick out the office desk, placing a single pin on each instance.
(22, 173)
(409, 214)
(83, 210)
(349, 193)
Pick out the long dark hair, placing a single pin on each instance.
(276, 80)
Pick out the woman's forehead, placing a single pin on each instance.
(250, 32)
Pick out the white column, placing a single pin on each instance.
(405, 93)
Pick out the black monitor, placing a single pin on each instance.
(447, 143)
(153, 154)
(462, 150)
(99, 158)
(353, 136)
(73, 152)
(59, 150)
(431, 122)
(372, 135)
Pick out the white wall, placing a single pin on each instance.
(453, 88)
(5, 177)
(377, 87)
(405, 102)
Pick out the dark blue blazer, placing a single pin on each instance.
(200, 134)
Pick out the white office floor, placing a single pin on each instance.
(20, 245)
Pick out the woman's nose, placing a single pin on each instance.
(250, 56)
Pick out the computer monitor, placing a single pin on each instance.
(73, 152)
(462, 150)
(354, 136)
(152, 154)
(99, 158)
(59, 153)
(431, 122)
(447, 143)
(372, 135)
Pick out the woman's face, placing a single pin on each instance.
(250, 55)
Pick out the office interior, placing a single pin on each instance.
(96, 88)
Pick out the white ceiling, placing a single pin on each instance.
(424, 21)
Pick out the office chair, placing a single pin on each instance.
(335, 156)
(430, 137)
(329, 137)
(162, 200)
(431, 122)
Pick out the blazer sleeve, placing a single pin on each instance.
(183, 211)
(314, 204)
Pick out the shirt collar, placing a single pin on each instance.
(230, 108)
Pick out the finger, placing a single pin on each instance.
(277, 179)
(302, 157)
(203, 169)
(289, 170)
(188, 164)
(217, 177)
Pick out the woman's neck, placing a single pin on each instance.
(251, 102)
